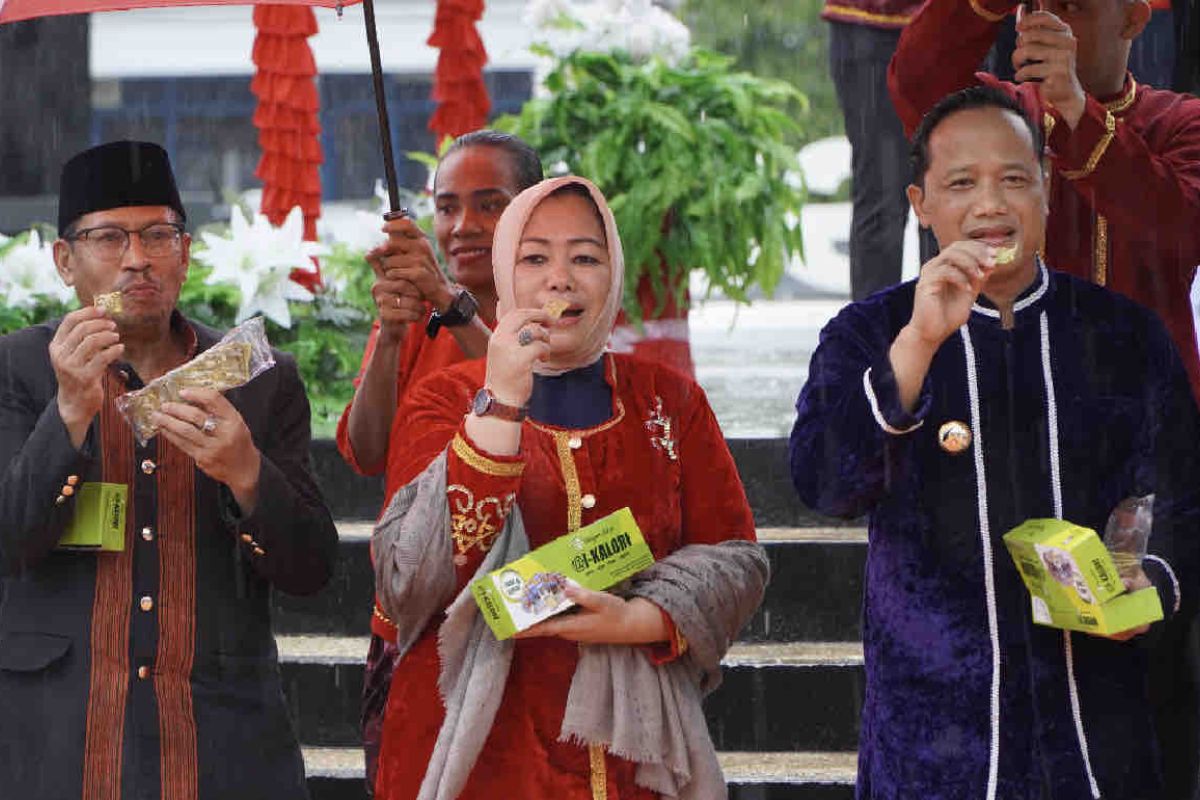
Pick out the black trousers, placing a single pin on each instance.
(858, 61)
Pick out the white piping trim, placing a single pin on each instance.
(1020, 305)
(874, 403)
(989, 578)
(1078, 714)
(1052, 420)
(1174, 580)
(1056, 493)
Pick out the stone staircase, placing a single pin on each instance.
(785, 719)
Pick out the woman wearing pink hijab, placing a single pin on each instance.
(602, 701)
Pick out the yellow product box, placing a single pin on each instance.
(526, 591)
(99, 521)
(1073, 581)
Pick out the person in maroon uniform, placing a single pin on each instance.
(862, 38)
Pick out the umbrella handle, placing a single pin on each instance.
(385, 128)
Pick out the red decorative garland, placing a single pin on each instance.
(288, 120)
(458, 88)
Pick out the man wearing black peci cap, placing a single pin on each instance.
(144, 667)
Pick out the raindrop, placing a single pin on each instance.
(703, 116)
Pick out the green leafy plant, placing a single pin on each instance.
(695, 159)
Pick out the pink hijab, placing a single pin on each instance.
(507, 240)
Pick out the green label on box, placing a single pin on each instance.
(99, 521)
(530, 589)
(1073, 581)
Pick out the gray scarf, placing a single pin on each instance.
(654, 720)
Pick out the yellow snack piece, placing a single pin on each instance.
(110, 302)
(1007, 255)
(555, 307)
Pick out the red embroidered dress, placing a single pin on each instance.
(661, 453)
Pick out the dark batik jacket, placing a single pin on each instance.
(151, 672)
(1082, 403)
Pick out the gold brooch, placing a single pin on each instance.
(954, 437)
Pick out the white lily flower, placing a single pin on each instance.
(28, 274)
(638, 27)
(259, 258)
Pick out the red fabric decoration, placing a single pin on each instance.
(462, 100)
(287, 120)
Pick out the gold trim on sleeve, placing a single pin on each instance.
(472, 458)
(867, 16)
(1110, 128)
(990, 16)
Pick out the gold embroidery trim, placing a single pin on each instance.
(990, 16)
(1117, 106)
(562, 443)
(867, 16)
(382, 616)
(476, 524)
(599, 772)
(473, 459)
(1110, 128)
(1100, 260)
(1048, 123)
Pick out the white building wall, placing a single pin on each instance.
(178, 42)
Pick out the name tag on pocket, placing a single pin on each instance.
(99, 521)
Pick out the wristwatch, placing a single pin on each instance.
(460, 311)
(485, 404)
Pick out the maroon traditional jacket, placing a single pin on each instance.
(1125, 186)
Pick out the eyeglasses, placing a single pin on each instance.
(109, 242)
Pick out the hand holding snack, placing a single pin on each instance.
(520, 339)
(83, 347)
(212, 432)
(1045, 54)
(948, 287)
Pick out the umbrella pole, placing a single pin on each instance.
(385, 128)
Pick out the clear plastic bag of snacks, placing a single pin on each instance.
(240, 356)
(1128, 532)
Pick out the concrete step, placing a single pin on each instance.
(815, 592)
(800, 696)
(337, 774)
(762, 464)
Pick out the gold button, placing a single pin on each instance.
(72, 480)
(247, 538)
(146, 603)
(148, 533)
(258, 551)
(143, 672)
(954, 437)
(588, 501)
(149, 466)
(575, 443)
(58, 501)
(68, 491)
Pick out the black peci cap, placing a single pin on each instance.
(115, 175)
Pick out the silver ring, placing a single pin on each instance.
(525, 337)
(210, 424)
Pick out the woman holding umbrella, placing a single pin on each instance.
(475, 180)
